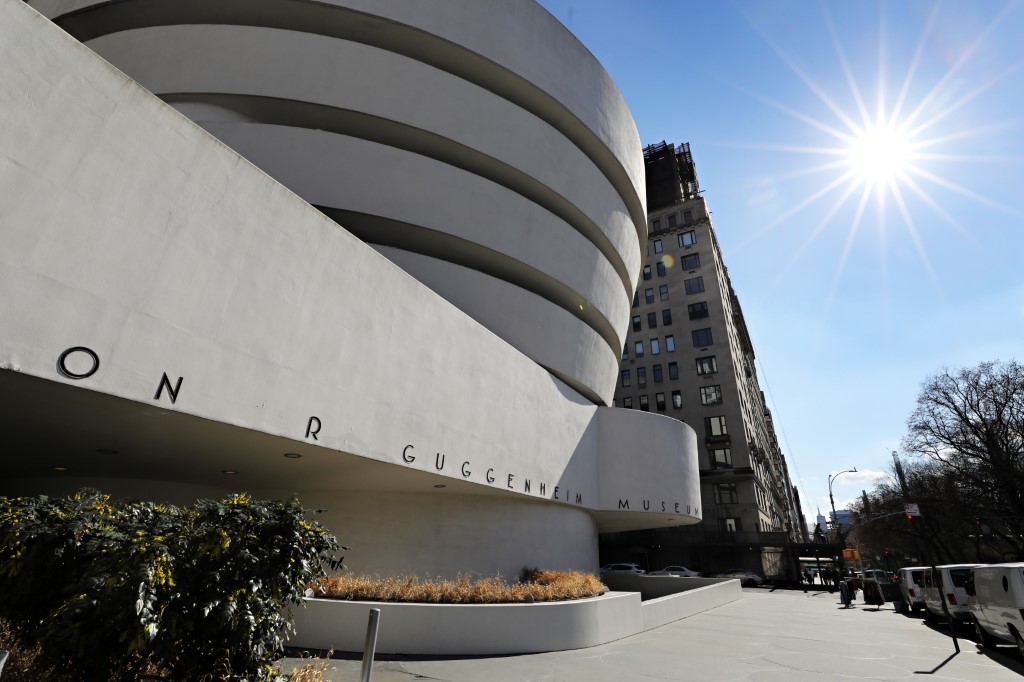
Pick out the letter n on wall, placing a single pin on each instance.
(172, 392)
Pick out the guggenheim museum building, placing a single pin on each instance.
(378, 254)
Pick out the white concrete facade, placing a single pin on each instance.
(176, 321)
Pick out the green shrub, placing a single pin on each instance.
(117, 588)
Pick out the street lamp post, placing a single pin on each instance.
(835, 517)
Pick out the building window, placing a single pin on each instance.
(636, 299)
(641, 376)
(636, 323)
(690, 261)
(688, 216)
(677, 399)
(672, 221)
(625, 378)
(638, 349)
(660, 265)
(725, 493)
(662, 292)
(697, 310)
(670, 344)
(627, 403)
(715, 426)
(652, 320)
(688, 238)
(702, 337)
(729, 525)
(694, 285)
(673, 370)
(656, 225)
(648, 295)
(625, 352)
(659, 401)
(647, 272)
(666, 316)
(721, 458)
(655, 347)
(658, 378)
(657, 246)
(707, 365)
(710, 395)
(643, 404)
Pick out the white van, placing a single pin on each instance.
(997, 603)
(950, 579)
(912, 587)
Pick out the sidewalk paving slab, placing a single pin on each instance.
(768, 636)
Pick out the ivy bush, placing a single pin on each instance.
(118, 589)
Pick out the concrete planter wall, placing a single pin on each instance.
(489, 629)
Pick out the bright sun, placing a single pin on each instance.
(880, 154)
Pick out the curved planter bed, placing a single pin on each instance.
(487, 629)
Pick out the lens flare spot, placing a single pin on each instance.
(668, 260)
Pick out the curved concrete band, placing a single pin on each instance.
(539, 176)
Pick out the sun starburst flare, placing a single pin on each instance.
(884, 154)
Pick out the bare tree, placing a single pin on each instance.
(971, 423)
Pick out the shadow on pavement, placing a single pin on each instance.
(933, 670)
(1005, 656)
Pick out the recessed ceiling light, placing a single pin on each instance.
(440, 485)
(106, 451)
(292, 455)
(59, 468)
(229, 471)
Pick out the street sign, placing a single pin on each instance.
(851, 555)
(911, 510)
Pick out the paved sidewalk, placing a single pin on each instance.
(780, 636)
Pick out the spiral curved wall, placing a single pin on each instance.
(474, 142)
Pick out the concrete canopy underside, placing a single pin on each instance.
(210, 320)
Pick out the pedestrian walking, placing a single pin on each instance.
(844, 593)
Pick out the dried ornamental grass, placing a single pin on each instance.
(535, 586)
(313, 669)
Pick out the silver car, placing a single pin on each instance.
(678, 571)
(746, 578)
(622, 568)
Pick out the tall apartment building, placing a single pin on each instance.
(688, 356)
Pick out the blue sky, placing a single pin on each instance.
(860, 280)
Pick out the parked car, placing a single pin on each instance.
(746, 578)
(622, 568)
(886, 583)
(912, 587)
(678, 571)
(950, 579)
(996, 601)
